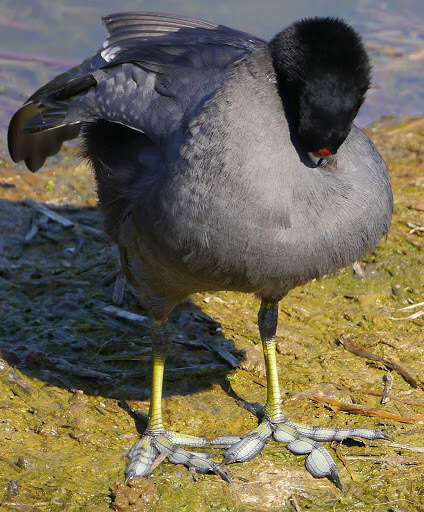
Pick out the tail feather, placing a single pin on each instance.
(34, 148)
(42, 124)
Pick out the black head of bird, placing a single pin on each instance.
(323, 73)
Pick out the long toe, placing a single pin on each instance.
(335, 434)
(305, 440)
(199, 462)
(249, 445)
(140, 458)
(319, 462)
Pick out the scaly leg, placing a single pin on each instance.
(300, 439)
(156, 440)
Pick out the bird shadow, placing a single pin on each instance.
(56, 280)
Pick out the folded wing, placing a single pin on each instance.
(152, 74)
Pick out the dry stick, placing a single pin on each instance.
(419, 449)
(221, 351)
(365, 411)
(119, 288)
(159, 459)
(412, 306)
(376, 393)
(294, 502)
(415, 228)
(388, 384)
(392, 460)
(64, 221)
(32, 232)
(341, 456)
(415, 315)
(359, 271)
(358, 351)
(49, 213)
(343, 387)
(127, 315)
(38, 59)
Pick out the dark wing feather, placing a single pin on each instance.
(151, 75)
(132, 33)
(34, 148)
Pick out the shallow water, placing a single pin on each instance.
(40, 38)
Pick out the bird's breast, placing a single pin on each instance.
(244, 210)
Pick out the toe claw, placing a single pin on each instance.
(334, 477)
(383, 435)
(218, 470)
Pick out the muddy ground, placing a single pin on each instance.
(73, 376)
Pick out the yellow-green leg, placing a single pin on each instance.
(299, 439)
(156, 440)
(155, 410)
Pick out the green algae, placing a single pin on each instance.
(67, 367)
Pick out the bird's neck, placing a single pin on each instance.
(288, 71)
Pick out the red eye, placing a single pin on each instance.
(324, 152)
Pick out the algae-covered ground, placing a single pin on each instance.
(73, 376)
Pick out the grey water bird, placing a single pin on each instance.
(223, 162)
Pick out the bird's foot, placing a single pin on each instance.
(157, 445)
(300, 440)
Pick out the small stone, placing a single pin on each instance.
(253, 360)
(23, 462)
(12, 489)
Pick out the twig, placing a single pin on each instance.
(199, 369)
(358, 351)
(208, 345)
(341, 456)
(109, 277)
(415, 315)
(79, 370)
(127, 315)
(419, 449)
(412, 306)
(415, 228)
(32, 232)
(159, 459)
(359, 271)
(49, 213)
(119, 289)
(33, 58)
(343, 387)
(387, 459)
(388, 384)
(64, 221)
(376, 393)
(365, 411)
(294, 502)
(14, 377)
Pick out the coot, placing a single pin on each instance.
(223, 162)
